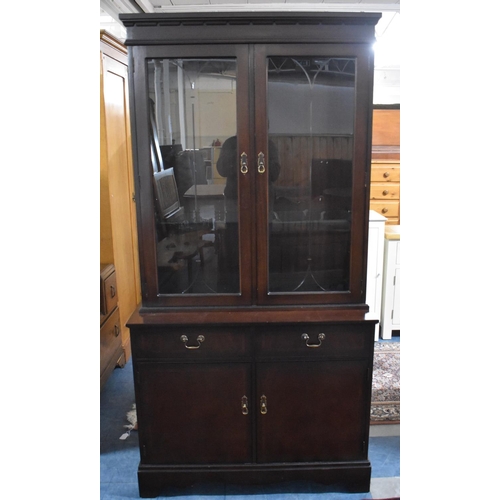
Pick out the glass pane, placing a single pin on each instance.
(193, 127)
(311, 127)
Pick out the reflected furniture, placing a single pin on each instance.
(255, 365)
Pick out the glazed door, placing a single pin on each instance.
(193, 150)
(309, 411)
(311, 173)
(194, 413)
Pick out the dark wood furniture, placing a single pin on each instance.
(254, 365)
(111, 342)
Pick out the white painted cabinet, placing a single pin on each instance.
(391, 284)
(375, 267)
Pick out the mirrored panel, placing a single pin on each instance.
(193, 159)
(311, 128)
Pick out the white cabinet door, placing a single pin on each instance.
(375, 266)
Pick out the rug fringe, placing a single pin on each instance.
(132, 418)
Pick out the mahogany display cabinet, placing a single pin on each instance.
(251, 141)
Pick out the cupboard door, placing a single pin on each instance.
(192, 117)
(310, 411)
(194, 413)
(312, 166)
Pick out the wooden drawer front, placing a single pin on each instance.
(388, 191)
(322, 340)
(189, 343)
(110, 338)
(110, 295)
(385, 173)
(386, 208)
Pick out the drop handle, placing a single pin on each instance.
(244, 405)
(263, 404)
(321, 337)
(261, 168)
(199, 339)
(244, 163)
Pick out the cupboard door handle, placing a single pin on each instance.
(112, 290)
(321, 337)
(117, 330)
(244, 163)
(244, 405)
(260, 164)
(263, 404)
(199, 339)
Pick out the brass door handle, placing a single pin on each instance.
(199, 339)
(244, 405)
(321, 337)
(261, 168)
(263, 404)
(244, 163)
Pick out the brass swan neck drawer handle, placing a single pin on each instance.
(321, 337)
(199, 339)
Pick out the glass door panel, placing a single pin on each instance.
(193, 125)
(310, 111)
(308, 117)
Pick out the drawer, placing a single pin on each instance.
(385, 173)
(389, 191)
(316, 340)
(189, 343)
(109, 295)
(110, 338)
(389, 208)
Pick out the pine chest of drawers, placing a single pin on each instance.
(384, 189)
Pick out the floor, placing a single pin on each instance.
(120, 457)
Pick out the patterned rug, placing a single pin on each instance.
(385, 407)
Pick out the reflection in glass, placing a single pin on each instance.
(192, 113)
(311, 124)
